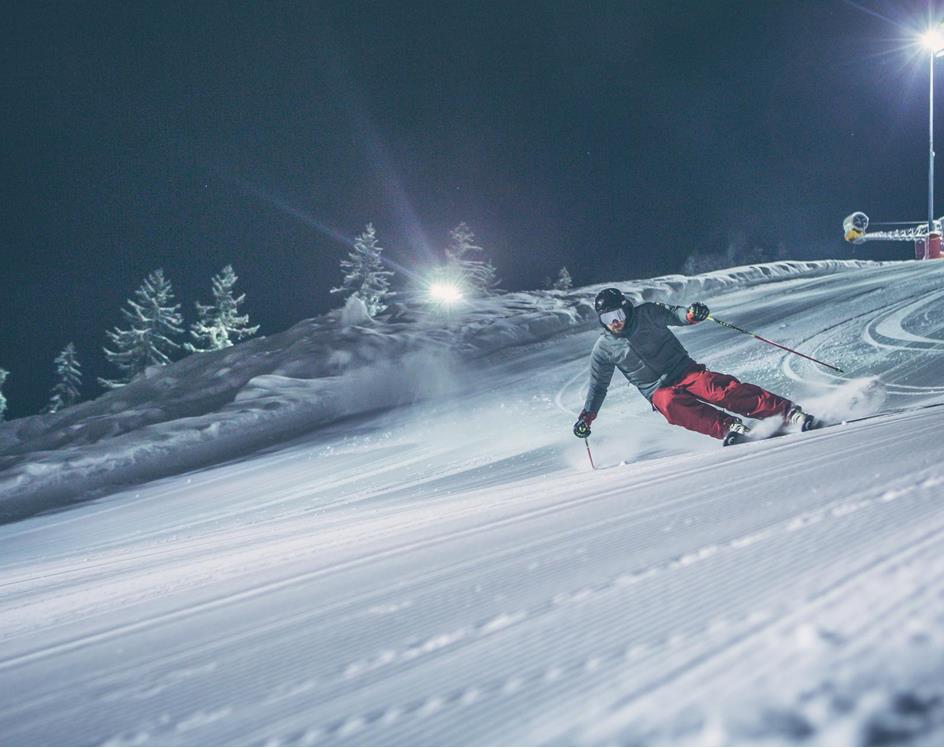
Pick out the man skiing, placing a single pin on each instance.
(637, 341)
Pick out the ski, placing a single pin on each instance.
(821, 424)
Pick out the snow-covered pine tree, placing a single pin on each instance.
(68, 380)
(564, 282)
(219, 324)
(479, 276)
(155, 321)
(3, 401)
(364, 275)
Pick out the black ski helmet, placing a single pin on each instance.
(609, 300)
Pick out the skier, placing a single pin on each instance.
(637, 341)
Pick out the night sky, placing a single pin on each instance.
(613, 138)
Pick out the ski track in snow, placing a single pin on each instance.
(454, 573)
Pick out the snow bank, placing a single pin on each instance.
(214, 406)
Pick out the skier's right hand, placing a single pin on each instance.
(697, 312)
(582, 427)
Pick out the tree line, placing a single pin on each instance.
(154, 325)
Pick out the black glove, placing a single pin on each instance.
(697, 312)
(582, 427)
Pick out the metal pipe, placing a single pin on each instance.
(927, 243)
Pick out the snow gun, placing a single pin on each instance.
(855, 231)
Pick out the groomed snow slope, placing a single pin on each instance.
(216, 406)
(451, 572)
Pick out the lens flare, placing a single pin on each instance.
(445, 292)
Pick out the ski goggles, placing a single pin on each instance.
(617, 315)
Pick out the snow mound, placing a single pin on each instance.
(354, 312)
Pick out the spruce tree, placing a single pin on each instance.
(68, 380)
(219, 324)
(478, 275)
(3, 401)
(154, 323)
(564, 282)
(364, 275)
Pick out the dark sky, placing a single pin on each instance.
(613, 137)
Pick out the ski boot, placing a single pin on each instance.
(796, 417)
(737, 434)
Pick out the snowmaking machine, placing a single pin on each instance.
(855, 230)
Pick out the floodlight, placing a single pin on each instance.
(444, 292)
(933, 41)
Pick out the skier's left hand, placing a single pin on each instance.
(582, 427)
(697, 312)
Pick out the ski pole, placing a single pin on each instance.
(587, 442)
(770, 342)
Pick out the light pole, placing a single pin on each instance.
(933, 41)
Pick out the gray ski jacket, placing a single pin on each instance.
(646, 352)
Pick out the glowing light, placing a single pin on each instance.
(933, 41)
(445, 292)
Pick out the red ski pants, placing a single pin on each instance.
(686, 403)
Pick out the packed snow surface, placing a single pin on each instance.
(385, 533)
